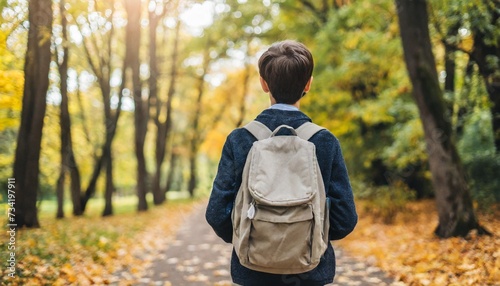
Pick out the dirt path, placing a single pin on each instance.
(197, 257)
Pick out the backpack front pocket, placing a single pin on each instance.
(280, 237)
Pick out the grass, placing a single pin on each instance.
(91, 249)
(121, 205)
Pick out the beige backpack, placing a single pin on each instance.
(280, 215)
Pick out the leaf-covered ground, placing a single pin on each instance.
(410, 252)
(119, 250)
(199, 257)
(92, 250)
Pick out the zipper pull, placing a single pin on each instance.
(251, 211)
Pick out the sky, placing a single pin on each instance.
(198, 16)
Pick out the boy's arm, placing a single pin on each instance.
(343, 216)
(220, 205)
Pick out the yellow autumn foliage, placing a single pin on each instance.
(11, 92)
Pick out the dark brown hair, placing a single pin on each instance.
(286, 67)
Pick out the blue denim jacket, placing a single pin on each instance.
(343, 217)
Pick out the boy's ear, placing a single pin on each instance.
(308, 85)
(264, 85)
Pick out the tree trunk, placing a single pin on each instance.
(60, 194)
(153, 97)
(454, 204)
(90, 191)
(246, 85)
(195, 139)
(141, 109)
(109, 188)
(68, 162)
(75, 185)
(105, 157)
(196, 132)
(193, 168)
(64, 114)
(161, 141)
(36, 71)
(171, 170)
(164, 127)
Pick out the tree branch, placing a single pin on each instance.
(320, 14)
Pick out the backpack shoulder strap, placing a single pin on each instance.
(258, 129)
(308, 129)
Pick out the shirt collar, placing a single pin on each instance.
(283, 106)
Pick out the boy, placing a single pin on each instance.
(286, 74)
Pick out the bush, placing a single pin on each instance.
(385, 202)
(483, 172)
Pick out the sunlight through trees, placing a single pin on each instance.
(140, 95)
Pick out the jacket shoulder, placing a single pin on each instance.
(324, 135)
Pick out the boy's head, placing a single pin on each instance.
(286, 67)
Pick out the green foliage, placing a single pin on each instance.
(361, 90)
(485, 183)
(385, 202)
(475, 15)
(362, 94)
(477, 139)
(480, 161)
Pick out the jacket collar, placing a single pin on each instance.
(273, 118)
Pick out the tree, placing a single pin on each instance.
(486, 54)
(360, 90)
(98, 48)
(162, 117)
(198, 131)
(172, 168)
(195, 127)
(480, 41)
(454, 203)
(246, 85)
(141, 107)
(68, 162)
(244, 23)
(36, 71)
